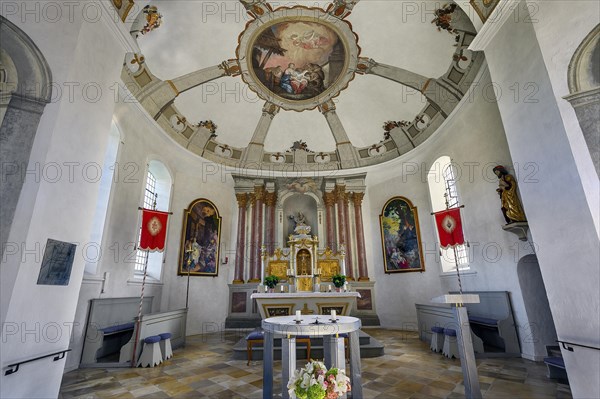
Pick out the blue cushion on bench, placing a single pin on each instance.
(555, 361)
(450, 332)
(164, 336)
(439, 330)
(255, 335)
(483, 320)
(117, 328)
(152, 339)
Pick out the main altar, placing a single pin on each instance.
(305, 278)
(303, 231)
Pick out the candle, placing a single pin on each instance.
(345, 286)
(298, 315)
(329, 288)
(333, 315)
(282, 288)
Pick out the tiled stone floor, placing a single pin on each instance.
(205, 369)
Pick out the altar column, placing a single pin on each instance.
(349, 256)
(344, 227)
(240, 246)
(270, 202)
(329, 199)
(257, 235)
(363, 273)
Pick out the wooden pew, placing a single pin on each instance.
(109, 327)
(173, 322)
(492, 319)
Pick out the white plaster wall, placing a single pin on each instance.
(73, 128)
(558, 38)
(192, 178)
(557, 206)
(474, 139)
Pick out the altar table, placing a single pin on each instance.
(316, 303)
(333, 347)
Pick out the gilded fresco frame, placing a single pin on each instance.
(402, 250)
(197, 259)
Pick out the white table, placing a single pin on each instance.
(333, 347)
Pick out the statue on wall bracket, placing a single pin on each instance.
(507, 190)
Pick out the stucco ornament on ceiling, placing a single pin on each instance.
(298, 58)
(306, 58)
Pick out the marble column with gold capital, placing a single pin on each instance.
(270, 202)
(329, 200)
(257, 234)
(242, 199)
(344, 227)
(363, 273)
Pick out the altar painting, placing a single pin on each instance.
(401, 237)
(200, 241)
(297, 60)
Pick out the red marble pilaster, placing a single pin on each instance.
(363, 273)
(257, 235)
(349, 244)
(238, 277)
(329, 199)
(270, 201)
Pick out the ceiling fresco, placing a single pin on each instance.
(302, 74)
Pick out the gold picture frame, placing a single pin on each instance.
(401, 237)
(200, 239)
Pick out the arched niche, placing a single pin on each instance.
(27, 88)
(540, 330)
(584, 86)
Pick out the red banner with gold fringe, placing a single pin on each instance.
(154, 230)
(449, 226)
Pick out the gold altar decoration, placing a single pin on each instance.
(304, 284)
(329, 268)
(278, 268)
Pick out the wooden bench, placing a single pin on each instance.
(555, 364)
(172, 321)
(492, 320)
(110, 327)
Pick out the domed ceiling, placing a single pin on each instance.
(309, 86)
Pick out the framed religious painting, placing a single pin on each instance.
(200, 240)
(401, 237)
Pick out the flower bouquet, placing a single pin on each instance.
(314, 381)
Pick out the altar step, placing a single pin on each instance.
(369, 347)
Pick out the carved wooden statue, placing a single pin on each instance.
(507, 189)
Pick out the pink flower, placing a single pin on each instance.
(332, 395)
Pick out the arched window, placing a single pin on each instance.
(442, 190)
(157, 195)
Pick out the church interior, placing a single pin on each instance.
(199, 197)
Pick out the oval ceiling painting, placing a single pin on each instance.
(298, 60)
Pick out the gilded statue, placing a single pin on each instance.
(507, 189)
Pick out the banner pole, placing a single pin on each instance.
(137, 330)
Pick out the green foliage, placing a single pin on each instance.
(271, 281)
(338, 280)
(315, 392)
